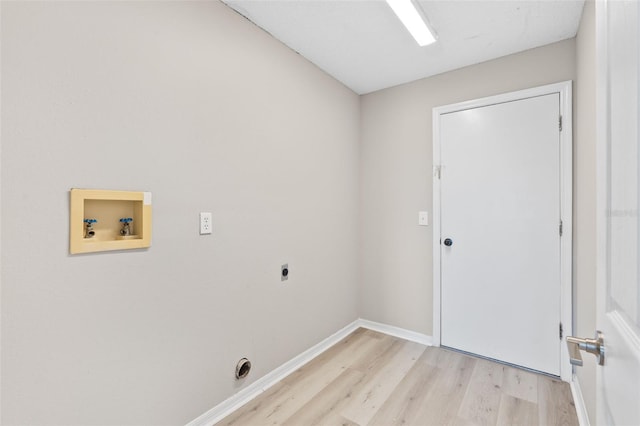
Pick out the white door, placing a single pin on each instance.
(618, 381)
(500, 213)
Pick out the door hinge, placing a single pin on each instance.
(560, 228)
(560, 330)
(560, 122)
(436, 171)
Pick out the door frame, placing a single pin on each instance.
(564, 89)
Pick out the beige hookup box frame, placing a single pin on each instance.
(104, 220)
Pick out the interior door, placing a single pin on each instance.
(618, 381)
(500, 236)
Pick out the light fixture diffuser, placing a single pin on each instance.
(406, 11)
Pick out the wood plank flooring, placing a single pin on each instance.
(370, 378)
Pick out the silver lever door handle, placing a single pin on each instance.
(593, 346)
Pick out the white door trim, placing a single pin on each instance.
(564, 89)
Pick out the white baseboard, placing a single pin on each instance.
(396, 332)
(578, 400)
(245, 395)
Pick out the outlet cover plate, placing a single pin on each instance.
(205, 223)
(423, 218)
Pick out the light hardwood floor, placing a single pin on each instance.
(370, 378)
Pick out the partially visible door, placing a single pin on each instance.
(500, 218)
(618, 381)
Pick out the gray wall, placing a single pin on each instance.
(192, 102)
(396, 182)
(584, 193)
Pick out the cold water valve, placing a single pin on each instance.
(89, 232)
(126, 227)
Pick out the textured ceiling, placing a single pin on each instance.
(363, 44)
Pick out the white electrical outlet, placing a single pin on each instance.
(205, 223)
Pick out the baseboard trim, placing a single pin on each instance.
(578, 400)
(397, 332)
(245, 395)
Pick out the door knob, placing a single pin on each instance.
(593, 346)
(448, 242)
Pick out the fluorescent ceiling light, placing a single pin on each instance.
(411, 18)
